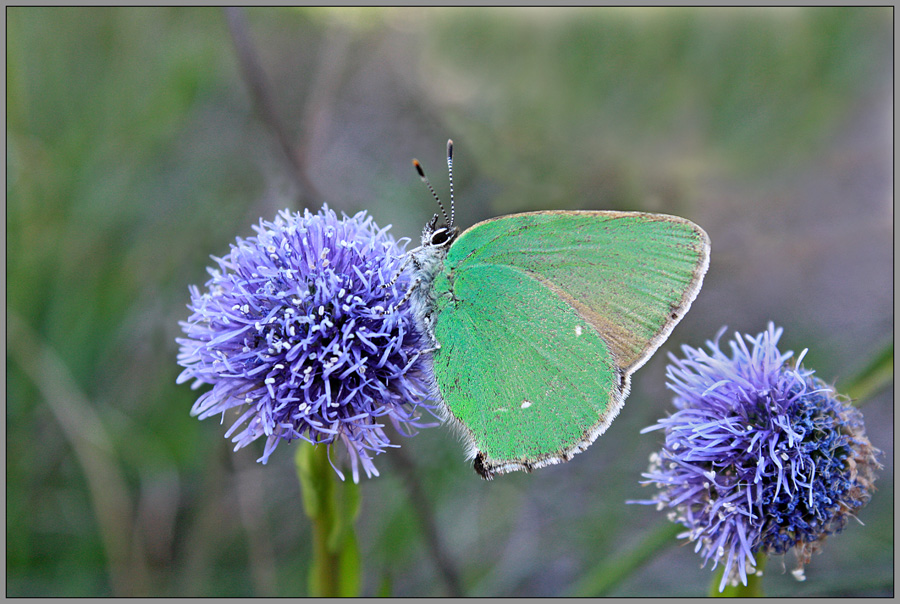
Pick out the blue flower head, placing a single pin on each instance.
(302, 331)
(760, 456)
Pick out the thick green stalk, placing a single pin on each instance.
(332, 506)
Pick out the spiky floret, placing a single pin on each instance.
(304, 330)
(760, 455)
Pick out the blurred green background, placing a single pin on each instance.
(135, 149)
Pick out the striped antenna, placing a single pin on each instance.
(430, 188)
(450, 172)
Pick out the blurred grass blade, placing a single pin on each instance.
(84, 429)
(422, 507)
(615, 569)
(878, 374)
(386, 586)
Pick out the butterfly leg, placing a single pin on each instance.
(429, 330)
(450, 279)
(418, 354)
(409, 292)
(409, 258)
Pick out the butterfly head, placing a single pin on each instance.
(438, 235)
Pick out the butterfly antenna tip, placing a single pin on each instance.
(424, 178)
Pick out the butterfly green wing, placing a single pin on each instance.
(541, 319)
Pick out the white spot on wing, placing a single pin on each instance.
(578, 330)
(526, 404)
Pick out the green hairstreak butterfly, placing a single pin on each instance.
(537, 321)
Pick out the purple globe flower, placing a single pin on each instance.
(302, 331)
(760, 456)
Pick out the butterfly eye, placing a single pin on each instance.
(443, 235)
(439, 237)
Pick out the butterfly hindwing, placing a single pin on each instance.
(522, 371)
(542, 317)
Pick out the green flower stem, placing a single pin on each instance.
(753, 589)
(332, 505)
